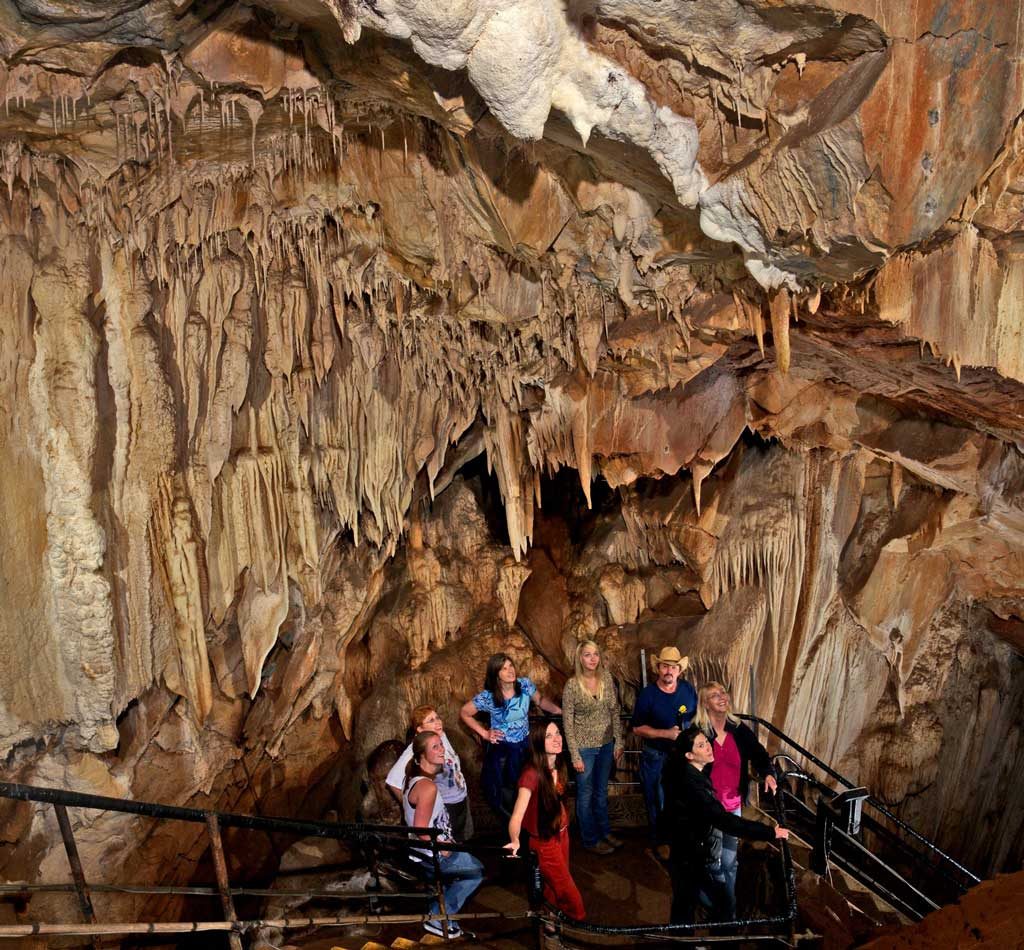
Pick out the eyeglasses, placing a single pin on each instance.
(717, 695)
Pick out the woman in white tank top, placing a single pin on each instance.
(461, 873)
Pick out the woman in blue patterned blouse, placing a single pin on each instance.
(506, 699)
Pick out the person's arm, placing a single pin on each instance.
(515, 823)
(642, 728)
(758, 756)
(545, 704)
(731, 824)
(569, 724)
(650, 732)
(425, 793)
(645, 730)
(396, 777)
(468, 713)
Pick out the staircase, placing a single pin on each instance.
(879, 863)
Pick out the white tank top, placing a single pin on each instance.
(438, 817)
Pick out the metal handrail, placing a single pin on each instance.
(879, 889)
(861, 873)
(787, 919)
(871, 800)
(399, 838)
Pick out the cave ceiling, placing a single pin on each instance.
(272, 274)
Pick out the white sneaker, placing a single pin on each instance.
(436, 927)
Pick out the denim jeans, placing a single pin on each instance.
(725, 869)
(461, 875)
(499, 777)
(592, 793)
(694, 885)
(652, 761)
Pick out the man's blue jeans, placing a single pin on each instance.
(592, 793)
(461, 875)
(652, 761)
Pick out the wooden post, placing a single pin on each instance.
(223, 885)
(77, 875)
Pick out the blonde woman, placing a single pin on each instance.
(593, 732)
(735, 749)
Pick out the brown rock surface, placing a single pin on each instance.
(308, 310)
(987, 917)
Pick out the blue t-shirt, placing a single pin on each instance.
(654, 707)
(512, 717)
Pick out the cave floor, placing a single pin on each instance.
(627, 887)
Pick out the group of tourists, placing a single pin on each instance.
(694, 810)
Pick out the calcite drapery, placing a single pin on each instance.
(271, 286)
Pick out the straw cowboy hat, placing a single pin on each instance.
(671, 655)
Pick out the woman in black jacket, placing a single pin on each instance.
(736, 748)
(693, 814)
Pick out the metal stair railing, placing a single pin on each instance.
(376, 838)
(774, 926)
(381, 838)
(928, 865)
(863, 865)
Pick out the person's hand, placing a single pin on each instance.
(512, 847)
(445, 854)
(673, 733)
(579, 766)
(771, 784)
(495, 735)
(618, 754)
(781, 834)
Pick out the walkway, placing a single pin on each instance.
(627, 887)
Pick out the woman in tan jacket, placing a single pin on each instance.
(593, 732)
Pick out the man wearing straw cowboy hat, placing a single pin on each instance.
(663, 709)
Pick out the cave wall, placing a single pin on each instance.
(331, 361)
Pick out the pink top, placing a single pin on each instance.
(725, 775)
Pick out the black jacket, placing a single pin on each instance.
(691, 811)
(751, 753)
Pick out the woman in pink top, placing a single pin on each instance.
(736, 749)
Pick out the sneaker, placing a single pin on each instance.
(613, 841)
(602, 847)
(436, 927)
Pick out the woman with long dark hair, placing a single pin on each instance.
(461, 873)
(506, 699)
(540, 811)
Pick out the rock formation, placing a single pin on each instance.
(343, 343)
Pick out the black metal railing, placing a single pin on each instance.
(379, 840)
(743, 930)
(826, 819)
(864, 838)
(376, 839)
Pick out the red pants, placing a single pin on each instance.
(559, 887)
